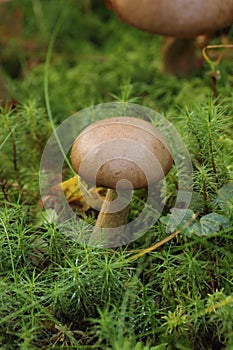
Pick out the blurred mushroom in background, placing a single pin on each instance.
(180, 22)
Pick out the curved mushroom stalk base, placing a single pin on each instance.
(179, 56)
(107, 220)
(115, 219)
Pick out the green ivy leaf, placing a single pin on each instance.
(211, 223)
(176, 219)
(225, 196)
(207, 225)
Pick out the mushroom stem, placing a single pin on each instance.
(179, 56)
(116, 219)
(108, 220)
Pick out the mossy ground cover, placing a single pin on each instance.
(58, 294)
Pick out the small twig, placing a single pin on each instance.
(216, 306)
(212, 63)
(210, 142)
(11, 134)
(215, 73)
(3, 186)
(165, 240)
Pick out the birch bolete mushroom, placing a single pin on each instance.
(120, 154)
(182, 20)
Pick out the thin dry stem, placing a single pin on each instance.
(107, 220)
(165, 240)
(116, 219)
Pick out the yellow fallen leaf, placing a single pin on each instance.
(76, 190)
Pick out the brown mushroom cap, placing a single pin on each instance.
(121, 148)
(179, 18)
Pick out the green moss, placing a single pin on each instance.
(58, 294)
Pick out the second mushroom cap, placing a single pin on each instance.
(177, 18)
